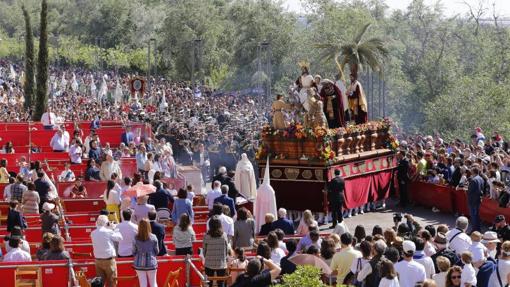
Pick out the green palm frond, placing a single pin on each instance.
(362, 32)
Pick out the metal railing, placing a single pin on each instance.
(191, 267)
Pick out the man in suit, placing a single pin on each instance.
(474, 197)
(283, 223)
(403, 177)
(226, 179)
(336, 187)
(158, 229)
(226, 200)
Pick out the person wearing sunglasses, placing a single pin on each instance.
(453, 277)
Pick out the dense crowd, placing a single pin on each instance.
(226, 123)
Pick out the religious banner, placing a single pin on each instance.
(137, 84)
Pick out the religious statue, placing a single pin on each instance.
(305, 83)
(357, 101)
(315, 116)
(278, 117)
(333, 105)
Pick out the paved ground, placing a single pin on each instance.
(384, 218)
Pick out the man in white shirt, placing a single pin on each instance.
(128, 230)
(213, 194)
(75, 152)
(60, 141)
(457, 238)
(409, 271)
(16, 254)
(48, 119)
(227, 223)
(103, 238)
(421, 258)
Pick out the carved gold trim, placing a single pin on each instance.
(307, 174)
(276, 173)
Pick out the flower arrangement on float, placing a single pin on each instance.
(392, 143)
(327, 153)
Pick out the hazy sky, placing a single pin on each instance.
(452, 7)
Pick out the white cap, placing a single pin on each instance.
(409, 247)
(48, 206)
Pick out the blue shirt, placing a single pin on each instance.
(182, 206)
(141, 158)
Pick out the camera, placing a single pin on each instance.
(397, 217)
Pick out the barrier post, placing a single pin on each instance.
(188, 274)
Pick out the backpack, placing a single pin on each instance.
(373, 279)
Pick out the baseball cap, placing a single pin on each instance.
(499, 218)
(409, 247)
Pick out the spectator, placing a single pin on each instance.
(370, 273)
(103, 238)
(287, 266)
(145, 250)
(31, 200)
(108, 167)
(92, 172)
(7, 189)
(306, 222)
(182, 205)
(14, 217)
(49, 219)
(215, 250)
(57, 251)
(474, 197)
(48, 119)
(501, 227)
(67, 174)
(226, 222)
(389, 276)
(441, 244)
(409, 271)
(75, 152)
(158, 230)
(45, 246)
(281, 235)
(225, 200)
(18, 189)
(420, 257)
(358, 263)
(17, 232)
(111, 199)
(244, 230)
(359, 233)
(502, 272)
(342, 260)
(276, 252)
(259, 272)
(43, 188)
(94, 151)
(468, 277)
(429, 246)
(443, 264)
(16, 254)
(327, 250)
(60, 141)
(142, 209)
(457, 239)
(477, 249)
(214, 193)
(128, 230)
(240, 262)
(79, 190)
(184, 236)
(283, 223)
(453, 277)
(161, 198)
(268, 225)
(264, 250)
(306, 240)
(4, 174)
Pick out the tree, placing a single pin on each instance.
(358, 53)
(29, 60)
(305, 275)
(42, 66)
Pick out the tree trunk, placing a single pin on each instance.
(28, 85)
(42, 66)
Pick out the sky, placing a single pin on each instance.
(451, 7)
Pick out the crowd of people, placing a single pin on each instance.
(225, 123)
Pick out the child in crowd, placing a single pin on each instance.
(79, 190)
(478, 250)
(443, 264)
(239, 262)
(67, 174)
(468, 276)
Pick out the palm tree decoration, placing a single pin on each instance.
(358, 54)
